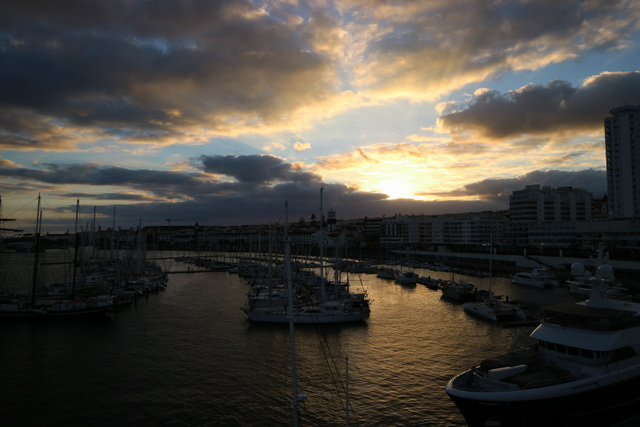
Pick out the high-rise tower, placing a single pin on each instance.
(622, 141)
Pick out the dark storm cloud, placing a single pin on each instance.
(110, 196)
(137, 69)
(499, 190)
(537, 109)
(256, 169)
(162, 183)
(267, 207)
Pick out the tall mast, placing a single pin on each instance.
(94, 238)
(37, 251)
(139, 251)
(76, 246)
(346, 363)
(490, 258)
(323, 291)
(113, 231)
(292, 338)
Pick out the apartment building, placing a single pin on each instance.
(622, 142)
(545, 208)
(470, 229)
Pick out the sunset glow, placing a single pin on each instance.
(218, 112)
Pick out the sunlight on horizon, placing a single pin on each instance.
(399, 188)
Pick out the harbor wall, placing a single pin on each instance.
(628, 271)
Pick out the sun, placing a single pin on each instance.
(398, 188)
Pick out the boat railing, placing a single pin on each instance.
(549, 382)
(620, 297)
(544, 376)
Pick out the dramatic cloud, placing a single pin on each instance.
(184, 71)
(181, 100)
(256, 169)
(150, 71)
(264, 184)
(424, 49)
(540, 110)
(594, 181)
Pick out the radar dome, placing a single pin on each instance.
(605, 271)
(577, 269)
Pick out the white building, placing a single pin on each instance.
(538, 205)
(622, 141)
(535, 210)
(473, 228)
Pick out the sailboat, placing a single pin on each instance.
(75, 306)
(313, 304)
(491, 308)
(298, 397)
(66, 307)
(15, 307)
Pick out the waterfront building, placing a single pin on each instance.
(465, 229)
(622, 141)
(542, 206)
(537, 204)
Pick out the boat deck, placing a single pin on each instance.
(538, 373)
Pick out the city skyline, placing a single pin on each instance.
(218, 112)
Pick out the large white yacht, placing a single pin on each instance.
(584, 368)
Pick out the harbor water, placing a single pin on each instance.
(187, 356)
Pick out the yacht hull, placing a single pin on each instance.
(567, 406)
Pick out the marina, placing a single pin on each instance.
(189, 356)
(475, 262)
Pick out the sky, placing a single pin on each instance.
(219, 112)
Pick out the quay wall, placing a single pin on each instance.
(628, 271)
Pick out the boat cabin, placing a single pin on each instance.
(585, 334)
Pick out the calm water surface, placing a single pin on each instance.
(188, 356)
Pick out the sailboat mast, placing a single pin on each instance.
(76, 246)
(346, 362)
(292, 338)
(139, 249)
(490, 257)
(37, 252)
(113, 231)
(323, 291)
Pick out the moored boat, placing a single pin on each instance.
(386, 273)
(538, 277)
(315, 300)
(494, 310)
(458, 291)
(488, 307)
(580, 282)
(91, 306)
(583, 370)
(406, 278)
(429, 282)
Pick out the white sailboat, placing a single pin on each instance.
(342, 306)
(491, 308)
